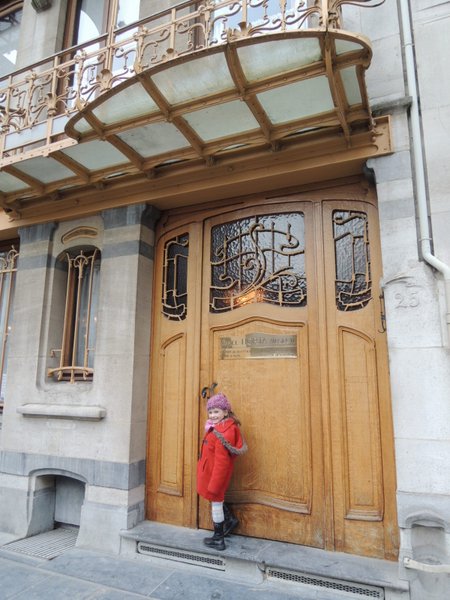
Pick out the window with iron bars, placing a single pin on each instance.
(79, 328)
(8, 267)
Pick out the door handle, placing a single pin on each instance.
(207, 392)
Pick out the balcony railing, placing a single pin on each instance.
(36, 102)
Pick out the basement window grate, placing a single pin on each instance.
(47, 545)
(356, 590)
(192, 558)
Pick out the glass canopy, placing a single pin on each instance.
(246, 94)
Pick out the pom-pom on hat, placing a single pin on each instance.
(218, 401)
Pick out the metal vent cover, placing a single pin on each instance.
(346, 587)
(47, 545)
(192, 558)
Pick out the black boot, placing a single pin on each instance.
(216, 541)
(231, 522)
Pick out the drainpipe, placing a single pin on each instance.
(419, 165)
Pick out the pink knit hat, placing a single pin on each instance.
(218, 401)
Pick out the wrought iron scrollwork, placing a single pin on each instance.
(258, 259)
(174, 284)
(352, 254)
(332, 10)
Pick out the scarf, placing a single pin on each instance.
(210, 424)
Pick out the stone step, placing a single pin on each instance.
(330, 574)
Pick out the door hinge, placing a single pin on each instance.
(382, 313)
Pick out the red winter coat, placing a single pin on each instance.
(220, 447)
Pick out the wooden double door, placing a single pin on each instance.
(278, 304)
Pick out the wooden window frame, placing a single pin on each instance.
(73, 15)
(11, 7)
(80, 264)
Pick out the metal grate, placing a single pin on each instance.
(46, 545)
(357, 590)
(192, 558)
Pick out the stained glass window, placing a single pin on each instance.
(174, 285)
(258, 259)
(352, 253)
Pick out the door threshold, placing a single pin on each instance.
(276, 560)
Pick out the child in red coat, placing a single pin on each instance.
(221, 445)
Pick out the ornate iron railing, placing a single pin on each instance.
(47, 93)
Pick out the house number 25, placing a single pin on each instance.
(409, 299)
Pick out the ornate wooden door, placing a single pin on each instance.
(259, 342)
(278, 304)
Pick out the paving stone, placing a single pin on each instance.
(186, 585)
(58, 588)
(80, 574)
(128, 575)
(103, 594)
(16, 578)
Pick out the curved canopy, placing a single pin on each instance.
(246, 94)
(252, 92)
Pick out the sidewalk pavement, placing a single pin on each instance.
(80, 574)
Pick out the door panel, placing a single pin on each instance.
(280, 307)
(261, 476)
(361, 427)
(256, 342)
(273, 403)
(362, 441)
(172, 431)
(172, 416)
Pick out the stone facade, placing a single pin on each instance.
(102, 443)
(414, 291)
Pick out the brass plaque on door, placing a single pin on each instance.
(258, 345)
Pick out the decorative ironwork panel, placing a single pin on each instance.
(174, 284)
(258, 259)
(352, 253)
(80, 318)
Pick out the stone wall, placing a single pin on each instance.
(414, 291)
(92, 431)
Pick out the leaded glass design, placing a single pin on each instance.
(352, 252)
(258, 259)
(174, 284)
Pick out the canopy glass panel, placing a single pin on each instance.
(154, 139)
(297, 100)
(96, 155)
(222, 120)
